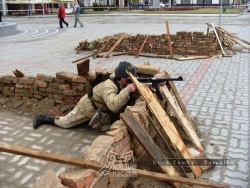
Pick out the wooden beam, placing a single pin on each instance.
(85, 57)
(167, 125)
(155, 56)
(113, 47)
(230, 34)
(165, 142)
(102, 48)
(123, 53)
(223, 52)
(178, 98)
(148, 144)
(83, 67)
(83, 163)
(169, 40)
(141, 46)
(190, 131)
(82, 45)
(193, 57)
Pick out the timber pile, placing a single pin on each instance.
(228, 39)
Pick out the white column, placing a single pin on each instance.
(4, 7)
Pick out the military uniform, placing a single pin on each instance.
(106, 99)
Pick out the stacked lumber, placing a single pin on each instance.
(228, 39)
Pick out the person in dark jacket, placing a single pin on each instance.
(61, 16)
(1, 14)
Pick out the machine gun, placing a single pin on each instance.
(155, 82)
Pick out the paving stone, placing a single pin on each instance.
(235, 183)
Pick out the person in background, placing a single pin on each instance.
(61, 16)
(1, 14)
(77, 10)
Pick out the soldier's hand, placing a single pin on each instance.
(131, 87)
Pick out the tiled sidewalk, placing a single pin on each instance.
(216, 94)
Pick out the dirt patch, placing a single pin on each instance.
(33, 107)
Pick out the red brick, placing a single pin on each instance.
(57, 80)
(12, 88)
(45, 78)
(69, 92)
(67, 76)
(99, 149)
(42, 83)
(30, 86)
(78, 178)
(26, 94)
(119, 146)
(37, 96)
(64, 87)
(79, 79)
(26, 80)
(48, 179)
(70, 101)
(118, 134)
(116, 182)
(82, 93)
(29, 104)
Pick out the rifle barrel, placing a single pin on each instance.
(159, 80)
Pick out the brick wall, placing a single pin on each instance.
(183, 43)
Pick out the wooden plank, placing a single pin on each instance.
(229, 45)
(165, 122)
(193, 57)
(169, 40)
(82, 45)
(235, 41)
(113, 47)
(83, 163)
(233, 36)
(83, 67)
(85, 57)
(148, 144)
(190, 131)
(102, 48)
(141, 47)
(123, 53)
(165, 142)
(155, 56)
(223, 52)
(178, 98)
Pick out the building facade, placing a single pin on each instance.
(28, 7)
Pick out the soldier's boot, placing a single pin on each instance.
(43, 119)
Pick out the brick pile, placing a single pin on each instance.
(65, 88)
(119, 141)
(183, 43)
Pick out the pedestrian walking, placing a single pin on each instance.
(1, 14)
(61, 16)
(77, 10)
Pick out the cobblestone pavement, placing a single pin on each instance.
(216, 95)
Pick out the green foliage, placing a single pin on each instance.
(97, 7)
